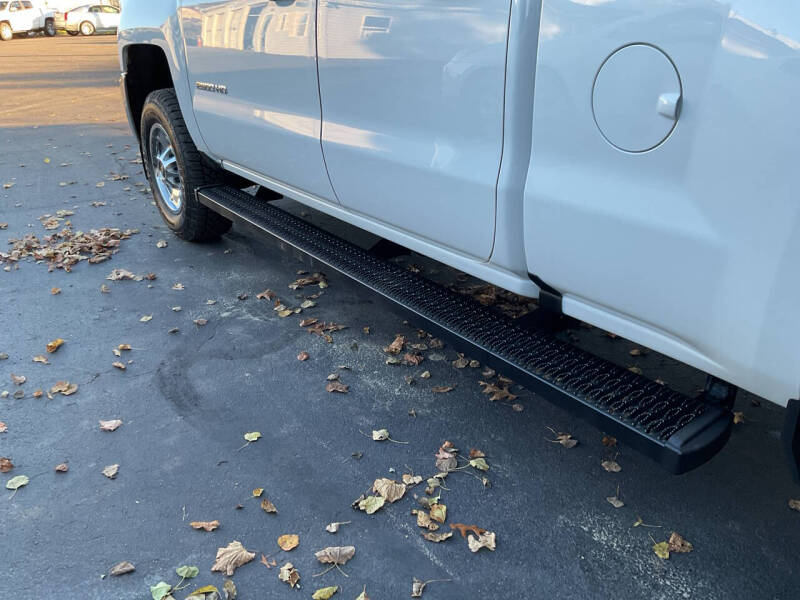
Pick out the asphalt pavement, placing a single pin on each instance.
(187, 398)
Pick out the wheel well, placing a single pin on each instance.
(147, 70)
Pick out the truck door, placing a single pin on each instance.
(412, 105)
(253, 76)
(19, 16)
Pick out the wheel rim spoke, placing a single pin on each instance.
(164, 166)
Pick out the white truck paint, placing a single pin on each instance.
(636, 155)
(24, 16)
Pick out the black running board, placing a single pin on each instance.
(677, 431)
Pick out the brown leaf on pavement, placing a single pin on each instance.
(55, 291)
(18, 379)
(442, 389)
(289, 574)
(231, 557)
(397, 345)
(677, 544)
(498, 391)
(62, 467)
(411, 480)
(3, 427)
(111, 471)
(437, 537)
(413, 358)
(335, 555)
(463, 529)
(484, 540)
(41, 358)
(266, 295)
(793, 504)
(268, 506)
(119, 365)
(5, 464)
(288, 541)
(611, 466)
(122, 568)
(337, 386)
(738, 418)
(205, 525)
(64, 387)
(609, 441)
(267, 562)
(110, 425)
(388, 489)
(303, 356)
(424, 520)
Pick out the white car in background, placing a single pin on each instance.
(91, 18)
(21, 16)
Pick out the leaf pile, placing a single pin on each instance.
(66, 248)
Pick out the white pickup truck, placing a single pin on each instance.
(631, 163)
(22, 16)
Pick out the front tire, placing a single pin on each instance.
(176, 168)
(50, 28)
(73, 33)
(87, 28)
(6, 33)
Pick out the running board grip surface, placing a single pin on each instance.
(677, 431)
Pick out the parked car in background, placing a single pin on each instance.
(91, 18)
(21, 16)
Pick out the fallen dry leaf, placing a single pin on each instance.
(122, 568)
(337, 386)
(463, 529)
(3, 427)
(397, 345)
(565, 439)
(380, 435)
(267, 562)
(62, 467)
(205, 525)
(119, 365)
(64, 387)
(484, 540)
(268, 506)
(111, 471)
(369, 504)
(318, 278)
(679, 545)
(55, 291)
(611, 466)
(146, 318)
(446, 457)
(231, 557)
(497, 392)
(411, 480)
(662, 550)
(41, 358)
(110, 425)
(302, 356)
(178, 287)
(18, 379)
(289, 574)
(439, 513)
(442, 389)
(615, 501)
(793, 504)
(334, 527)
(5, 464)
(335, 555)
(413, 358)
(288, 541)
(266, 295)
(200, 322)
(389, 490)
(418, 586)
(424, 520)
(437, 537)
(609, 441)
(252, 436)
(257, 492)
(738, 418)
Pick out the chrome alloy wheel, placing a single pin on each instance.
(164, 167)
